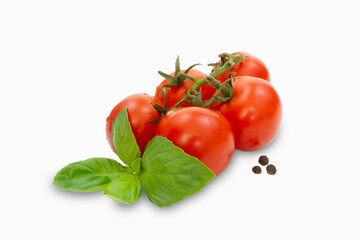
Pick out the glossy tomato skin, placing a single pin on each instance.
(249, 66)
(175, 94)
(255, 112)
(202, 133)
(140, 111)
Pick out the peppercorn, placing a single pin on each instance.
(263, 160)
(256, 170)
(271, 169)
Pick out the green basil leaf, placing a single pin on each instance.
(125, 189)
(135, 165)
(168, 174)
(90, 175)
(123, 138)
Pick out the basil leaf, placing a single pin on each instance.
(125, 189)
(135, 165)
(123, 138)
(168, 174)
(90, 175)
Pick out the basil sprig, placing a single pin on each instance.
(167, 173)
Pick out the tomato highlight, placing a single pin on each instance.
(255, 112)
(203, 133)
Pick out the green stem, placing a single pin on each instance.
(184, 75)
(230, 62)
(212, 99)
(165, 98)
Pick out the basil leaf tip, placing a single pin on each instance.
(90, 175)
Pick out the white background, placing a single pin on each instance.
(65, 64)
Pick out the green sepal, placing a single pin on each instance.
(191, 67)
(195, 99)
(177, 65)
(166, 76)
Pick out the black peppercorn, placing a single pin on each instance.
(263, 160)
(256, 170)
(271, 169)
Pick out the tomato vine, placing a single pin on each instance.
(224, 91)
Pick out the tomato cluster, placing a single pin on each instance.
(248, 121)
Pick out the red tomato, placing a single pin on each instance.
(255, 113)
(175, 94)
(140, 111)
(249, 66)
(200, 132)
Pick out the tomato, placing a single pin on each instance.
(140, 111)
(249, 66)
(200, 132)
(255, 113)
(175, 94)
